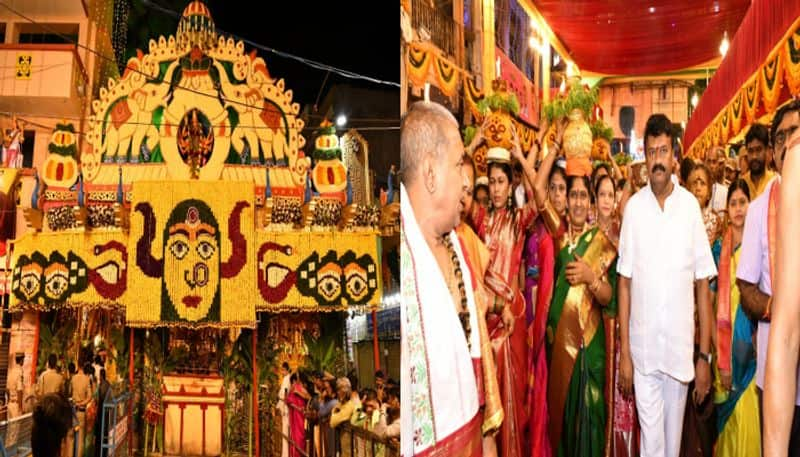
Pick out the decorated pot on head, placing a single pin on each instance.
(577, 145)
(498, 155)
(497, 130)
(479, 159)
(601, 149)
(497, 126)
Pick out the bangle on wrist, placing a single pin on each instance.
(595, 285)
(767, 311)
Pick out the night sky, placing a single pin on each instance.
(333, 34)
(329, 33)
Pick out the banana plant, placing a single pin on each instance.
(326, 352)
(55, 337)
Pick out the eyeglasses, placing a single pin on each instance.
(782, 135)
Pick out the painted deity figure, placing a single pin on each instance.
(195, 144)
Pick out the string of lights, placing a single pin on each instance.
(309, 62)
(112, 60)
(22, 117)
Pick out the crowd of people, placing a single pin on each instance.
(60, 402)
(553, 310)
(314, 406)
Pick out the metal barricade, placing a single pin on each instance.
(114, 424)
(15, 436)
(359, 442)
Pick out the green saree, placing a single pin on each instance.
(577, 353)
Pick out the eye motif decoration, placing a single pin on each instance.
(337, 281)
(47, 281)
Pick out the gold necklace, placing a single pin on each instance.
(572, 241)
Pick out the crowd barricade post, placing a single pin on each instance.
(114, 424)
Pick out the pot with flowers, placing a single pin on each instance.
(576, 106)
(498, 112)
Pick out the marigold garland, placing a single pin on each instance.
(197, 249)
(771, 81)
(272, 270)
(763, 88)
(419, 59)
(791, 61)
(297, 269)
(472, 95)
(751, 98)
(446, 76)
(105, 269)
(736, 113)
(725, 125)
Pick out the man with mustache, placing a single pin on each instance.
(664, 259)
(756, 271)
(757, 144)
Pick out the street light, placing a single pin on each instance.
(341, 120)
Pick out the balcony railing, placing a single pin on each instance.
(438, 25)
(42, 79)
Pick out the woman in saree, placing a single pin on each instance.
(622, 426)
(296, 400)
(737, 405)
(539, 265)
(699, 423)
(502, 228)
(477, 257)
(576, 342)
(699, 184)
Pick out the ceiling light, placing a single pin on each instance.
(723, 47)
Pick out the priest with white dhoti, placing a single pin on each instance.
(448, 388)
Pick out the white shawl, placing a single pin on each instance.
(439, 391)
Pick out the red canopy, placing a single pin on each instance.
(637, 37)
(765, 24)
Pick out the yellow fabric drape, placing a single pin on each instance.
(742, 432)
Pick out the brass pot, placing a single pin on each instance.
(497, 130)
(577, 136)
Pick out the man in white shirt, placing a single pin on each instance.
(719, 190)
(664, 262)
(16, 386)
